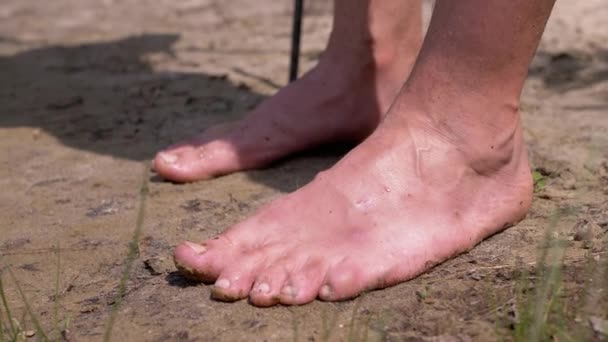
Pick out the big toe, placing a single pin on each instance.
(192, 163)
(201, 262)
(177, 167)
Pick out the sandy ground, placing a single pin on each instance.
(89, 90)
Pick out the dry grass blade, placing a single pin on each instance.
(56, 299)
(327, 324)
(353, 329)
(295, 326)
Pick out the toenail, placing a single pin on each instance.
(167, 158)
(325, 291)
(198, 249)
(222, 284)
(289, 291)
(263, 288)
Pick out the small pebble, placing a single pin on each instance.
(36, 133)
(586, 230)
(476, 276)
(599, 325)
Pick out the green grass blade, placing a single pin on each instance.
(564, 336)
(2, 338)
(551, 282)
(132, 254)
(34, 318)
(11, 324)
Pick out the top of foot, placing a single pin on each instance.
(401, 202)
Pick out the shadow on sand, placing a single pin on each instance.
(107, 98)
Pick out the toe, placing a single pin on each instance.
(203, 262)
(303, 284)
(268, 286)
(184, 164)
(174, 164)
(235, 282)
(165, 161)
(341, 285)
(166, 158)
(192, 163)
(350, 279)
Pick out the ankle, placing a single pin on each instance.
(487, 133)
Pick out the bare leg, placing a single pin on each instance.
(445, 169)
(371, 50)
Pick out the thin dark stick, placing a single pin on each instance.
(295, 40)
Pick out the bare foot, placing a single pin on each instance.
(371, 50)
(411, 196)
(446, 168)
(337, 101)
